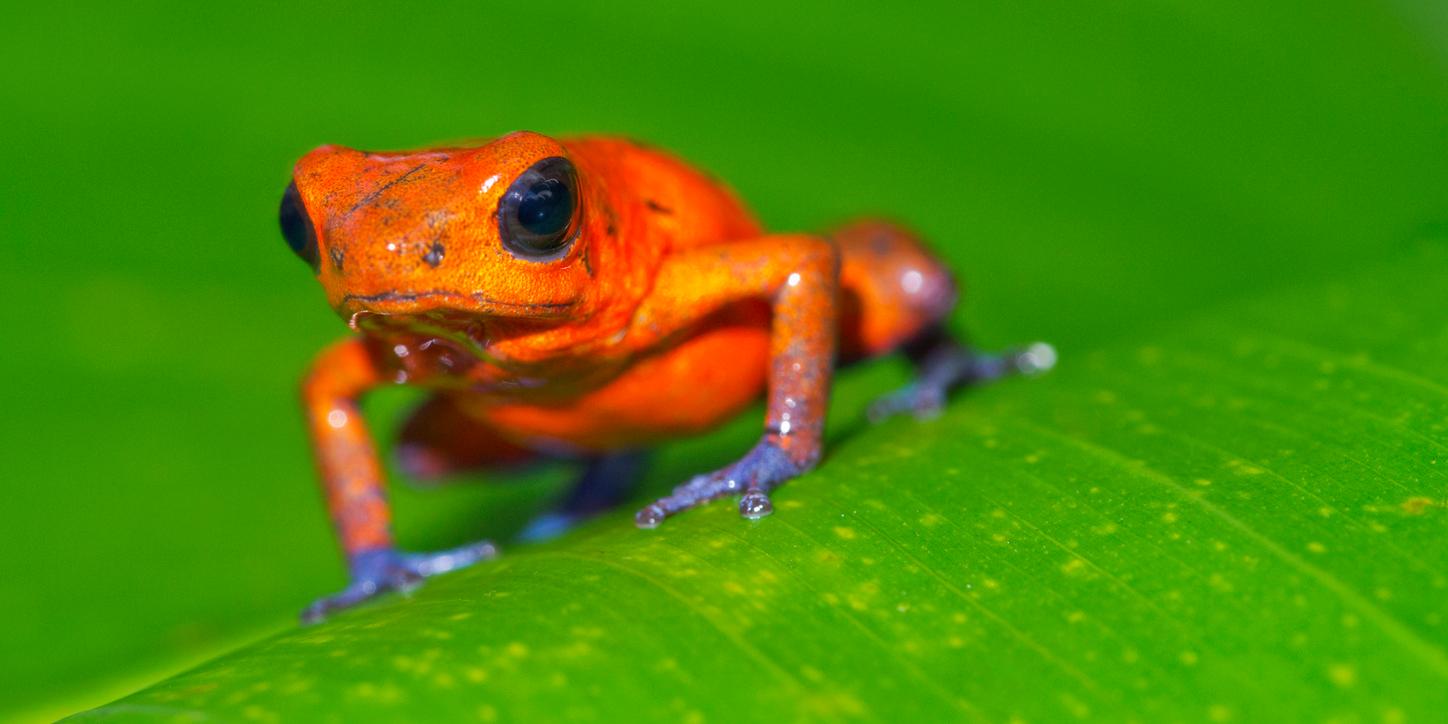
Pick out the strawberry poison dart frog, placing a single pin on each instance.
(586, 298)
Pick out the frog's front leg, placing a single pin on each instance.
(799, 276)
(352, 479)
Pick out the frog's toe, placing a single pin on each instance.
(378, 571)
(763, 469)
(755, 505)
(431, 564)
(919, 399)
(699, 490)
(651, 516)
(950, 366)
(355, 593)
(690, 495)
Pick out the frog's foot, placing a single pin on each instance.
(757, 473)
(377, 571)
(607, 480)
(949, 366)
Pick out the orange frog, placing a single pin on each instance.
(587, 298)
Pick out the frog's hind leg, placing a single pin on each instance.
(943, 364)
(607, 480)
(891, 289)
(895, 295)
(441, 438)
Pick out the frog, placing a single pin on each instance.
(588, 298)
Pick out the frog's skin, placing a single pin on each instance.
(587, 298)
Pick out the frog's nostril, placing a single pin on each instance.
(297, 227)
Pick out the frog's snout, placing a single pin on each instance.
(297, 227)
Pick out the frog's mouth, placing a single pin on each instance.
(460, 331)
(475, 304)
(466, 322)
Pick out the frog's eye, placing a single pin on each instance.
(297, 227)
(537, 216)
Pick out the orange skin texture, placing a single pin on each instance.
(670, 312)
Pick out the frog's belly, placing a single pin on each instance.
(697, 385)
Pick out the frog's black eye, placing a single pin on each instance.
(297, 227)
(537, 216)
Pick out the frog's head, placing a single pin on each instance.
(490, 231)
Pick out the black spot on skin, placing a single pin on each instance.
(337, 257)
(611, 220)
(587, 265)
(434, 254)
(657, 207)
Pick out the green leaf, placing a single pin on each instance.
(1242, 516)
(1093, 171)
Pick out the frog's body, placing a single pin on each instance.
(587, 297)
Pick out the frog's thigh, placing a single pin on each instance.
(891, 288)
(690, 388)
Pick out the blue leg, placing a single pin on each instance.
(942, 365)
(606, 481)
(387, 569)
(763, 469)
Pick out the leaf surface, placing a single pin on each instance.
(1242, 516)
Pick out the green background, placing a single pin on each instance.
(1098, 172)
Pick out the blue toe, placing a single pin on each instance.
(546, 527)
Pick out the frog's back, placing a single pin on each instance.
(651, 190)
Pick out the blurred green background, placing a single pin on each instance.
(1092, 169)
